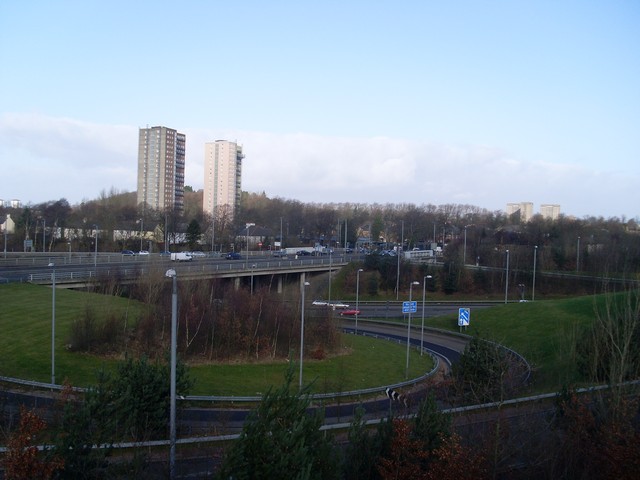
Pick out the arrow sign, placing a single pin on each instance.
(464, 316)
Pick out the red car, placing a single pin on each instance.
(352, 311)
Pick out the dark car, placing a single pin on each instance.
(127, 253)
(303, 252)
(233, 256)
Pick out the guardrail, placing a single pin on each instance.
(253, 398)
(66, 273)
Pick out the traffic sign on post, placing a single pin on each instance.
(409, 307)
(464, 316)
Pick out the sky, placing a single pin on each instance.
(478, 103)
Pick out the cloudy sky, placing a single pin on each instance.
(425, 102)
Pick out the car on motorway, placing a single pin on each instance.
(279, 253)
(143, 252)
(233, 256)
(127, 253)
(165, 254)
(350, 311)
(303, 253)
(320, 303)
(198, 254)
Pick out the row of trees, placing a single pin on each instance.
(592, 244)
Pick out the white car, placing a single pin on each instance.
(318, 303)
(143, 252)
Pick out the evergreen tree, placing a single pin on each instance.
(280, 439)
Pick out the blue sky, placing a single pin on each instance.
(424, 102)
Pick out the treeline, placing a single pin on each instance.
(591, 244)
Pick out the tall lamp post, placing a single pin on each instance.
(406, 374)
(44, 229)
(506, 283)
(535, 259)
(53, 323)
(247, 236)
(357, 295)
(302, 287)
(95, 255)
(141, 225)
(252, 267)
(424, 294)
(171, 273)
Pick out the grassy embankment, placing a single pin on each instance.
(25, 349)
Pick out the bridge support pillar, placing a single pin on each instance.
(279, 284)
(236, 283)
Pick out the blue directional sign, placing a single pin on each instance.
(409, 307)
(464, 316)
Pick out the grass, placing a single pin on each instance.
(544, 332)
(25, 349)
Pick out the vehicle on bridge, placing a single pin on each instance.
(181, 257)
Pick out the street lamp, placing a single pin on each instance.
(246, 234)
(506, 283)
(95, 255)
(252, 267)
(141, 224)
(357, 295)
(171, 273)
(424, 293)
(53, 323)
(44, 229)
(535, 259)
(302, 287)
(406, 375)
(464, 251)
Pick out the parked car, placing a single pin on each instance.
(127, 253)
(233, 256)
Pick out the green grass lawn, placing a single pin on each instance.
(544, 332)
(25, 349)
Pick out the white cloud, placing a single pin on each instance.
(46, 158)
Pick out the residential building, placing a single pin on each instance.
(524, 209)
(550, 211)
(161, 163)
(222, 176)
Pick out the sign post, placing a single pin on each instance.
(464, 317)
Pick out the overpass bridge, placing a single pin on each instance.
(80, 270)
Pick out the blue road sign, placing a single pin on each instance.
(409, 307)
(464, 316)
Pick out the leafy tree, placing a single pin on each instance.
(193, 234)
(366, 446)
(406, 458)
(481, 372)
(22, 460)
(82, 424)
(431, 425)
(280, 439)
